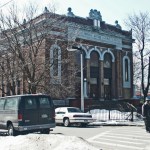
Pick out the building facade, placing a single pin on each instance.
(107, 59)
(108, 69)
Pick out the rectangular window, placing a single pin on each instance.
(95, 23)
(98, 24)
(44, 102)
(2, 101)
(30, 103)
(11, 104)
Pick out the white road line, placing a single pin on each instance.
(97, 136)
(118, 145)
(128, 135)
(127, 138)
(129, 142)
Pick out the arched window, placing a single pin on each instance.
(107, 61)
(94, 74)
(94, 65)
(107, 76)
(55, 64)
(126, 72)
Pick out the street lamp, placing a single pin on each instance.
(75, 48)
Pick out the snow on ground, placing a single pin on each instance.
(61, 142)
(44, 142)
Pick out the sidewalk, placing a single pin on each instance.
(117, 123)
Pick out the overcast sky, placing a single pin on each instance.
(111, 10)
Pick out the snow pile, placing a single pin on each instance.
(44, 142)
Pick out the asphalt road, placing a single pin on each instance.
(110, 137)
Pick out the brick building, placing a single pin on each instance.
(108, 69)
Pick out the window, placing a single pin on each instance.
(97, 23)
(55, 64)
(11, 104)
(94, 66)
(107, 61)
(30, 103)
(126, 72)
(107, 66)
(72, 110)
(44, 103)
(2, 101)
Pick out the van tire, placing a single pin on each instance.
(11, 130)
(66, 122)
(45, 131)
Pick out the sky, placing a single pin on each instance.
(111, 10)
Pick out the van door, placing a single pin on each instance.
(46, 111)
(30, 112)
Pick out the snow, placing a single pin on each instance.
(44, 142)
(103, 114)
(37, 141)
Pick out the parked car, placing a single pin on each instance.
(72, 115)
(26, 113)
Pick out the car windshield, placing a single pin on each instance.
(72, 110)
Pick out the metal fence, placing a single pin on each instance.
(114, 110)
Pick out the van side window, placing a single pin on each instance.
(30, 103)
(11, 104)
(44, 102)
(2, 101)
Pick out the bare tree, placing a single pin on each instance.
(140, 25)
(27, 42)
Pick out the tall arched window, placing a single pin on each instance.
(55, 64)
(107, 76)
(94, 74)
(126, 72)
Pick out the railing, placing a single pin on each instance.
(113, 110)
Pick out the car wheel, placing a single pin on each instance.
(45, 131)
(66, 122)
(11, 130)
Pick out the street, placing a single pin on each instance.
(110, 137)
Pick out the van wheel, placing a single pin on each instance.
(45, 131)
(11, 130)
(66, 122)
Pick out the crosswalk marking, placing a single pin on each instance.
(121, 141)
(146, 140)
(129, 135)
(122, 138)
(119, 145)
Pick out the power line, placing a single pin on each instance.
(5, 4)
